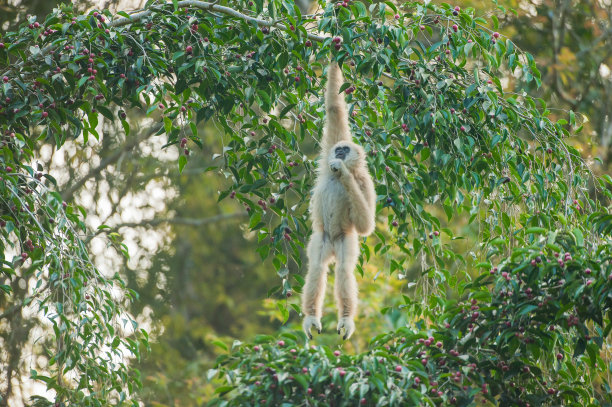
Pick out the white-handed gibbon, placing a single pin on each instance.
(342, 209)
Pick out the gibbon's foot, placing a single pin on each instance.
(348, 325)
(311, 321)
(336, 165)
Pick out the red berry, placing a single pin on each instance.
(496, 34)
(336, 353)
(281, 343)
(24, 256)
(455, 28)
(189, 49)
(45, 114)
(308, 43)
(5, 79)
(398, 368)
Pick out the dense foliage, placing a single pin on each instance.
(517, 336)
(450, 151)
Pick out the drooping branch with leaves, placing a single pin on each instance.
(450, 150)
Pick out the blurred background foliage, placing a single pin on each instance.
(193, 262)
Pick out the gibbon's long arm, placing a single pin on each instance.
(361, 203)
(337, 125)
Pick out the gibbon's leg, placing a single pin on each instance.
(347, 250)
(319, 253)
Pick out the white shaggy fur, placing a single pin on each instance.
(342, 209)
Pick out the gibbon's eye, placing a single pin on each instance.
(346, 149)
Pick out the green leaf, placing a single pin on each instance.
(167, 125)
(536, 230)
(220, 345)
(579, 237)
(126, 127)
(468, 48)
(105, 112)
(182, 162)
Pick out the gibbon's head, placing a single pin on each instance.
(352, 154)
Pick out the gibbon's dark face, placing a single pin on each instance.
(342, 151)
(350, 153)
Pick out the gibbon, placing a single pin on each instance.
(342, 209)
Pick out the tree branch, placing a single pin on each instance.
(114, 157)
(174, 221)
(26, 301)
(203, 5)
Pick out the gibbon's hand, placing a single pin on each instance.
(348, 325)
(311, 321)
(337, 166)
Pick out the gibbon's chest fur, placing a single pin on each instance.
(335, 207)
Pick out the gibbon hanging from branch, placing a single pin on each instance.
(342, 209)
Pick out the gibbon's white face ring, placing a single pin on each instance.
(350, 153)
